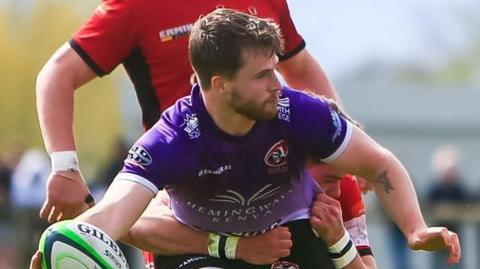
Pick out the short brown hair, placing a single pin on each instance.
(218, 39)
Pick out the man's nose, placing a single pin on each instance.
(276, 85)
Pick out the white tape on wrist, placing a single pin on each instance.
(346, 259)
(340, 244)
(64, 161)
(343, 251)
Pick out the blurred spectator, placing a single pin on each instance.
(115, 163)
(8, 160)
(6, 249)
(27, 195)
(446, 196)
(5, 174)
(398, 247)
(110, 169)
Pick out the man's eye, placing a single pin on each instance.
(261, 75)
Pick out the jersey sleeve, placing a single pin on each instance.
(357, 228)
(294, 43)
(108, 36)
(147, 162)
(353, 212)
(315, 126)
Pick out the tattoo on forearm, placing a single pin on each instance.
(385, 181)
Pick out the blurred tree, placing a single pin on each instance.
(455, 62)
(460, 66)
(28, 38)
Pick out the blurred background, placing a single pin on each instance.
(408, 70)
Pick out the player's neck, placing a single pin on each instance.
(228, 120)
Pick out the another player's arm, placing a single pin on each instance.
(328, 224)
(121, 206)
(390, 180)
(369, 262)
(302, 71)
(64, 72)
(367, 259)
(56, 82)
(158, 231)
(362, 262)
(394, 189)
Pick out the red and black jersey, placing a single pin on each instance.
(353, 212)
(150, 38)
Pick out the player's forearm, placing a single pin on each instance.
(55, 109)
(119, 209)
(362, 263)
(312, 77)
(163, 234)
(397, 195)
(107, 219)
(369, 262)
(166, 236)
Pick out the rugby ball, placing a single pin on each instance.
(73, 244)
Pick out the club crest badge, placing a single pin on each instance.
(277, 156)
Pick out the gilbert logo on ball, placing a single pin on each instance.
(73, 244)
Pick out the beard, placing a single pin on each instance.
(262, 111)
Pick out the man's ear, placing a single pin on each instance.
(218, 84)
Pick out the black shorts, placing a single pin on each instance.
(308, 252)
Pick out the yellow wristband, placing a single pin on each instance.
(231, 247)
(213, 242)
(221, 246)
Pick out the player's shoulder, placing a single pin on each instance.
(167, 139)
(276, 5)
(179, 122)
(299, 104)
(351, 198)
(128, 5)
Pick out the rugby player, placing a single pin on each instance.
(150, 40)
(232, 155)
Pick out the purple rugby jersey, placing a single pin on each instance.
(241, 185)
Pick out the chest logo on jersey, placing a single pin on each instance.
(190, 126)
(139, 156)
(175, 32)
(236, 198)
(283, 109)
(277, 155)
